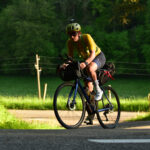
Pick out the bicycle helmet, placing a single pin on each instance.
(73, 27)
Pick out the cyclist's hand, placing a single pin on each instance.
(64, 66)
(82, 65)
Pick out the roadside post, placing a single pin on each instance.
(45, 90)
(38, 75)
(109, 92)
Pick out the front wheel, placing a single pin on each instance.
(108, 111)
(68, 112)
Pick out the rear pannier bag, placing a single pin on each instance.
(107, 73)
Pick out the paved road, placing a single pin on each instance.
(78, 139)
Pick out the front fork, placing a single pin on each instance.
(71, 103)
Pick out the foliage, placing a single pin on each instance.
(28, 27)
(146, 44)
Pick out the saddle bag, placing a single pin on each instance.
(106, 73)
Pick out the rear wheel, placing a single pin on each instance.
(109, 117)
(69, 114)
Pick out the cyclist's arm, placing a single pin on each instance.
(91, 57)
(88, 60)
(92, 47)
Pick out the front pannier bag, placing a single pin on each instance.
(70, 72)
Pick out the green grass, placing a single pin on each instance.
(131, 87)
(26, 103)
(8, 121)
(135, 105)
(145, 117)
(21, 92)
(29, 103)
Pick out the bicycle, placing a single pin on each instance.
(73, 97)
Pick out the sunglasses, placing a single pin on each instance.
(72, 34)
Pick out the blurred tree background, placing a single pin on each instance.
(29, 27)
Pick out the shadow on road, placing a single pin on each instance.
(135, 124)
(125, 125)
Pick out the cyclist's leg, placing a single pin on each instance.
(89, 90)
(100, 60)
(89, 85)
(97, 63)
(92, 69)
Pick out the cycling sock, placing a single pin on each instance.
(96, 83)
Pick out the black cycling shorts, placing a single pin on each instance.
(100, 60)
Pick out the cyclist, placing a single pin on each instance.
(89, 51)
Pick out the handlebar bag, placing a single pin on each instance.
(70, 72)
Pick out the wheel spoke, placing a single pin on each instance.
(110, 117)
(70, 114)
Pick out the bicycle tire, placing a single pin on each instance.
(109, 118)
(68, 118)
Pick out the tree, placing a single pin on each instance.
(146, 36)
(4, 3)
(120, 14)
(27, 29)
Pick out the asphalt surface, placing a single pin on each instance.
(76, 139)
(79, 139)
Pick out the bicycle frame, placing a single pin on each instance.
(78, 84)
(104, 109)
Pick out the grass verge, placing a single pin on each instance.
(134, 105)
(8, 121)
(145, 117)
(34, 103)
(23, 94)
(27, 103)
